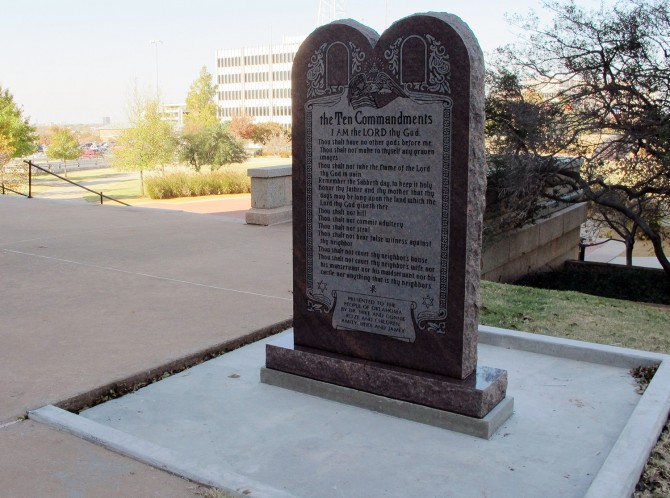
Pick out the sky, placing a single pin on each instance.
(75, 61)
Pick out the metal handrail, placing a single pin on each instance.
(30, 183)
(5, 187)
(583, 245)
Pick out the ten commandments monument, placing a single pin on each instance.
(388, 193)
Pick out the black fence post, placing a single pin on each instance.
(100, 197)
(30, 179)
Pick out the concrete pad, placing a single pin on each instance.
(93, 294)
(37, 461)
(579, 428)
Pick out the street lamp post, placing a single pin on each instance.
(156, 43)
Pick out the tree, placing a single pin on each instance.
(200, 103)
(227, 148)
(624, 227)
(17, 139)
(278, 144)
(522, 133)
(9, 178)
(18, 134)
(150, 144)
(263, 132)
(6, 150)
(63, 146)
(242, 126)
(214, 146)
(606, 71)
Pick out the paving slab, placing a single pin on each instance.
(55, 464)
(577, 416)
(92, 294)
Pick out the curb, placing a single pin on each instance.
(121, 387)
(153, 454)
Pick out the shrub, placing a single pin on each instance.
(606, 280)
(181, 184)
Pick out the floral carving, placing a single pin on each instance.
(316, 70)
(357, 57)
(439, 67)
(393, 56)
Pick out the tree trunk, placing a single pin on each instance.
(629, 239)
(142, 183)
(65, 167)
(660, 254)
(630, 243)
(641, 224)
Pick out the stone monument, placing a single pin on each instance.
(388, 195)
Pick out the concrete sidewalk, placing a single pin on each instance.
(92, 295)
(613, 252)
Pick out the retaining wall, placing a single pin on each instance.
(547, 243)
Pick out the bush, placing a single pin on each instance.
(606, 280)
(182, 184)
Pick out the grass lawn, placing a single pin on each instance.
(125, 185)
(576, 316)
(111, 182)
(121, 190)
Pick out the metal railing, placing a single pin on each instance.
(5, 187)
(32, 165)
(583, 245)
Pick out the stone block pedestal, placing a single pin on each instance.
(270, 195)
(476, 405)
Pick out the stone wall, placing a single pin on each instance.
(547, 243)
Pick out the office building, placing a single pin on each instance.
(256, 81)
(174, 113)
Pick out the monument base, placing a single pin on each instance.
(477, 405)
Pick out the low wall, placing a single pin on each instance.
(548, 243)
(271, 195)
